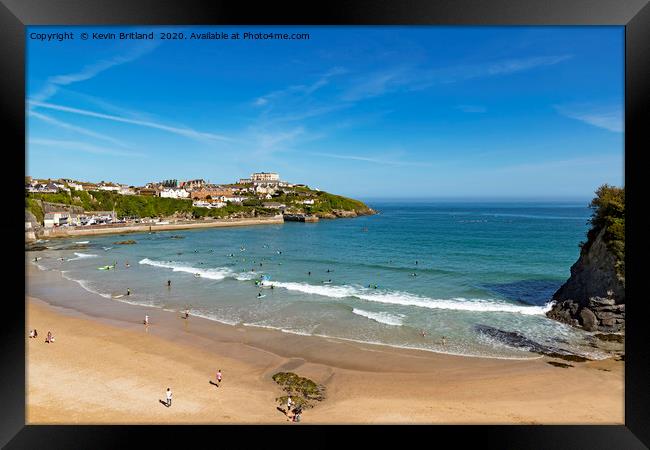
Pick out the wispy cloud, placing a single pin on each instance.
(472, 108)
(416, 78)
(609, 117)
(373, 160)
(301, 90)
(80, 146)
(53, 83)
(75, 128)
(187, 132)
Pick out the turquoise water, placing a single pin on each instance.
(441, 268)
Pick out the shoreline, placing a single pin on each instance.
(66, 232)
(366, 383)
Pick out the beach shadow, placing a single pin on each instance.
(281, 410)
(526, 292)
(213, 383)
(164, 403)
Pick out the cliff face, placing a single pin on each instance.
(594, 296)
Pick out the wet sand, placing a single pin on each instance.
(106, 367)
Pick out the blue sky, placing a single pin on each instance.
(368, 112)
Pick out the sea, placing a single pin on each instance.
(413, 274)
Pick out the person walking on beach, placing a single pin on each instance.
(49, 337)
(169, 397)
(128, 291)
(146, 319)
(218, 377)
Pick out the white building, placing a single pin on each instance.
(232, 199)
(265, 176)
(206, 204)
(174, 193)
(61, 219)
(109, 187)
(126, 190)
(75, 186)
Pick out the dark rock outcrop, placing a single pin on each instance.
(594, 296)
(518, 340)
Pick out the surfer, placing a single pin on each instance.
(128, 291)
(169, 283)
(259, 295)
(127, 265)
(414, 274)
(309, 273)
(271, 286)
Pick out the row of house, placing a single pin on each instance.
(67, 219)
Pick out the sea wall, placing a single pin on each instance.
(110, 229)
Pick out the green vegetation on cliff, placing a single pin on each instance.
(609, 213)
(138, 206)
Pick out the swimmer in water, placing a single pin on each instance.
(444, 341)
(309, 273)
(169, 283)
(259, 294)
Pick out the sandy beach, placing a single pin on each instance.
(106, 367)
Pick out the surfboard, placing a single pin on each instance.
(104, 268)
(261, 296)
(118, 296)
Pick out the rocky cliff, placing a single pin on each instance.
(594, 296)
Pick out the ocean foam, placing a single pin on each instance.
(406, 299)
(84, 284)
(218, 273)
(381, 317)
(82, 256)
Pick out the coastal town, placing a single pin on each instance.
(66, 206)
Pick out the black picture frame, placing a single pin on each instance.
(15, 15)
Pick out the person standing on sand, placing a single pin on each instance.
(218, 377)
(146, 319)
(169, 397)
(289, 403)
